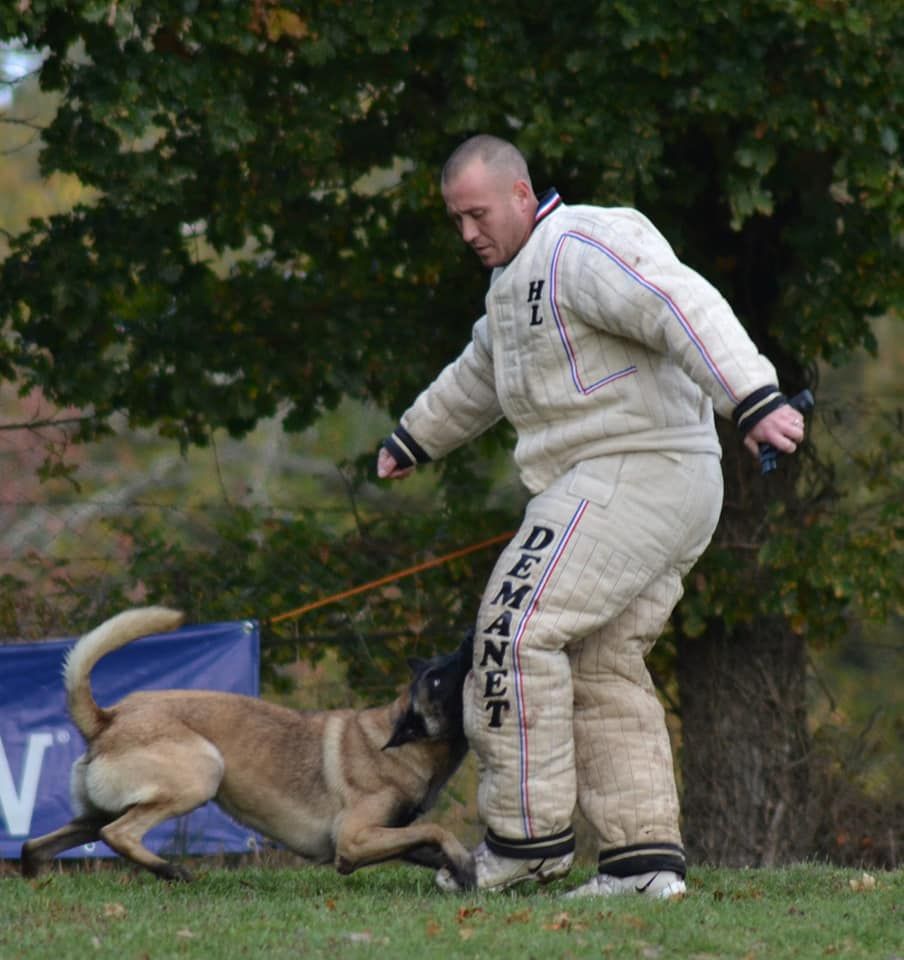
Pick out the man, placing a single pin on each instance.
(608, 356)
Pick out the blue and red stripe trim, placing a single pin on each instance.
(518, 678)
(549, 201)
(585, 389)
(648, 285)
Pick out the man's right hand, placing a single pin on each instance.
(783, 428)
(388, 468)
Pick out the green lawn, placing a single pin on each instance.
(802, 912)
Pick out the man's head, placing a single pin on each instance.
(488, 194)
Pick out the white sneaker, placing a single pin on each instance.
(660, 884)
(499, 873)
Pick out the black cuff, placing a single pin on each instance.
(533, 848)
(405, 449)
(643, 858)
(748, 413)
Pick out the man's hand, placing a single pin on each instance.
(388, 468)
(783, 428)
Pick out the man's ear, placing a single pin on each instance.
(523, 193)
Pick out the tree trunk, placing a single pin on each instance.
(744, 745)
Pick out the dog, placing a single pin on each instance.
(340, 786)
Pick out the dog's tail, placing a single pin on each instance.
(109, 636)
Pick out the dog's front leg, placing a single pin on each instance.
(371, 845)
(363, 839)
(436, 859)
(431, 857)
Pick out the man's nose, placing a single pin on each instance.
(468, 229)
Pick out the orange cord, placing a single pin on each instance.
(407, 572)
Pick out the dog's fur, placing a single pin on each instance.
(335, 785)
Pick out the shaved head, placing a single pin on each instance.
(496, 154)
(489, 197)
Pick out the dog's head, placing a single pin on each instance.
(434, 710)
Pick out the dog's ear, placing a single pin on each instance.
(416, 664)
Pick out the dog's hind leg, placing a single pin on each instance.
(150, 784)
(124, 835)
(40, 850)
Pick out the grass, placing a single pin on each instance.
(808, 911)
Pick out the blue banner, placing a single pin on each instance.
(39, 743)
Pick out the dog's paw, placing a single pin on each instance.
(466, 875)
(446, 881)
(29, 865)
(173, 873)
(457, 877)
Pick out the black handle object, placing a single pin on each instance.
(803, 403)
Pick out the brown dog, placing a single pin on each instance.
(323, 783)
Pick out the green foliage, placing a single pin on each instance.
(761, 139)
(267, 228)
(820, 562)
(254, 563)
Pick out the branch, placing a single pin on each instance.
(15, 81)
(30, 125)
(50, 422)
(19, 149)
(18, 122)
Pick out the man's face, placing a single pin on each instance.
(493, 212)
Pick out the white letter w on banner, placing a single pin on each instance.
(16, 806)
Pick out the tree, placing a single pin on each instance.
(268, 230)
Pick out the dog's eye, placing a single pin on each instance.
(436, 683)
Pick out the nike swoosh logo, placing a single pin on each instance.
(643, 889)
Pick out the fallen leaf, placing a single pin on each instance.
(114, 911)
(522, 916)
(561, 921)
(465, 912)
(185, 934)
(748, 893)
(465, 933)
(433, 928)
